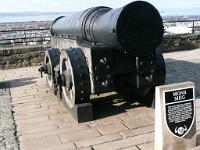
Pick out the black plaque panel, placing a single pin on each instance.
(179, 111)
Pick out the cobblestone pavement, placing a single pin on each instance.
(43, 123)
(8, 139)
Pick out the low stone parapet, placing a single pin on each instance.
(24, 56)
(180, 42)
(21, 56)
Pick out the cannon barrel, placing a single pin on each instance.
(135, 29)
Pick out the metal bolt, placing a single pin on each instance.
(96, 68)
(81, 74)
(78, 59)
(80, 66)
(105, 83)
(103, 60)
(149, 78)
(109, 76)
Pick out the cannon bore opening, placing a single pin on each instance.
(139, 28)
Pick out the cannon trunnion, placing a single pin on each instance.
(101, 50)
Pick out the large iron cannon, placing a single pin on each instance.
(101, 50)
(136, 29)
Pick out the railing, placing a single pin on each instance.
(193, 24)
(42, 36)
(25, 37)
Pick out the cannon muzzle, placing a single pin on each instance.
(135, 29)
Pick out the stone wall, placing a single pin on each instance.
(15, 57)
(21, 56)
(180, 42)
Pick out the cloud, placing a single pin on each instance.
(78, 5)
(165, 4)
(56, 5)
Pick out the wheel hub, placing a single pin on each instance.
(67, 79)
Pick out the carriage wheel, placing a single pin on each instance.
(75, 76)
(51, 60)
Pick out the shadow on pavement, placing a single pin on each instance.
(20, 81)
(111, 105)
(182, 71)
(198, 141)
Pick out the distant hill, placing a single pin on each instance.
(30, 14)
(50, 16)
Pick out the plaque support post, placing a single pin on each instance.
(175, 120)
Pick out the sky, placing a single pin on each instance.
(79, 5)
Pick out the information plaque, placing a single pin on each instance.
(175, 120)
(179, 111)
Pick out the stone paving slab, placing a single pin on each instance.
(43, 123)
